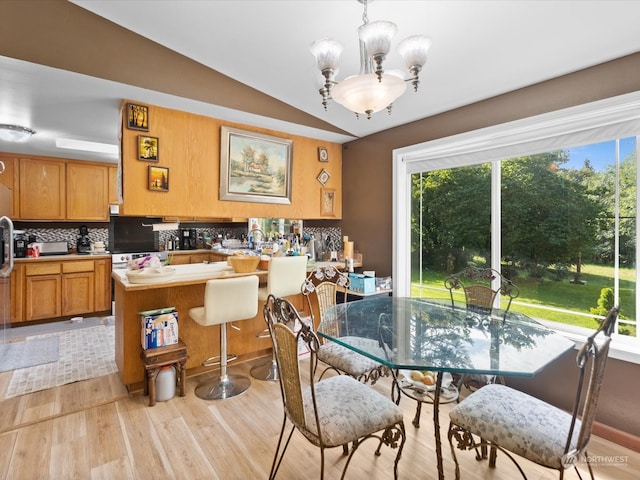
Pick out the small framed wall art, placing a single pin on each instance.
(327, 202)
(148, 148)
(159, 179)
(323, 154)
(137, 117)
(323, 177)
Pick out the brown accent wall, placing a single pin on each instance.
(367, 211)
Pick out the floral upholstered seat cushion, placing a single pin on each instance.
(347, 409)
(517, 422)
(347, 360)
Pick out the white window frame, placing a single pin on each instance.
(616, 117)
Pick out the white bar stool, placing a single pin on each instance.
(285, 277)
(226, 300)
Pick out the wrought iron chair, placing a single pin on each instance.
(514, 422)
(332, 412)
(322, 283)
(480, 295)
(476, 283)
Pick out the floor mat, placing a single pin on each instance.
(28, 353)
(83, 354)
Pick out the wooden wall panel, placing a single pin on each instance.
(190, 148)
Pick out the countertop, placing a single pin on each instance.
(58, 258)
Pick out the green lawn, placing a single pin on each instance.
(550, 293)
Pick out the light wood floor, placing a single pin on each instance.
(94, 430)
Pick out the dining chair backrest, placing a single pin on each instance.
(477, 285)
(595, 349)
(323, 283)
(285, 275)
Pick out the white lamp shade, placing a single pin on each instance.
(377, 36)
(413, 50)
(365, 94)
(327, 53)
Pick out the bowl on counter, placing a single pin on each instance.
(243, 263)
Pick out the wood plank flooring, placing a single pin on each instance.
(95, 430)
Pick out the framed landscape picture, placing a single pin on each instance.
(148, 148)
(255, 167)
(159, 179)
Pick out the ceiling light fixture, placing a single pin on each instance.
(372, 89)
(15, 133)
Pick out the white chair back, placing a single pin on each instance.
(230, 299)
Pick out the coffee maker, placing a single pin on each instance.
(188, 239)
(83, 244)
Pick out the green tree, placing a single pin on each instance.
(546, 216)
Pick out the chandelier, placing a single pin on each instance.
(373, 89)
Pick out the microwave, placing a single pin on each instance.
(132, 234)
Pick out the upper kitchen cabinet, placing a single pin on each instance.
(113, 184)
(189, 162)
(42, 189)
(87, 192)
(9, 178)
(54, 189)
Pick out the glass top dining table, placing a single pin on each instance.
(418, 334)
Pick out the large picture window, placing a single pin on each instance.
(552, 211)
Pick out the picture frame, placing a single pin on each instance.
(255, 167)
(148, 148)
(137, 117)
(323, 154)
(327, 202)
(323, 177)
(158, 178)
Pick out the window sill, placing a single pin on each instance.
(622, 347)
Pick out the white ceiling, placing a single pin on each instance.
(480, 49)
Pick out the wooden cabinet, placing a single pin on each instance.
(113, 185)
(78, 289)
(87, 192)
(42, 189)
(102, 283)
(51, 189)
(179, 258)
(43, 291)
(47, 290)
(186, 257)
(10, 180)
(199, 257)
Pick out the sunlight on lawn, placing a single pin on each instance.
(536, 296)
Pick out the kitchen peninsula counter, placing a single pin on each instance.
(183, 290)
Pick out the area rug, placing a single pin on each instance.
(83, 354)
(28, 353)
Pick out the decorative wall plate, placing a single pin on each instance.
(323, 177)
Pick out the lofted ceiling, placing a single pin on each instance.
(480, 49)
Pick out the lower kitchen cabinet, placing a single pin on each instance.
(183, 257)
(49, 290)
(43, 297)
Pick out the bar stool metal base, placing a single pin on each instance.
(267, 371)
(220, 388)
